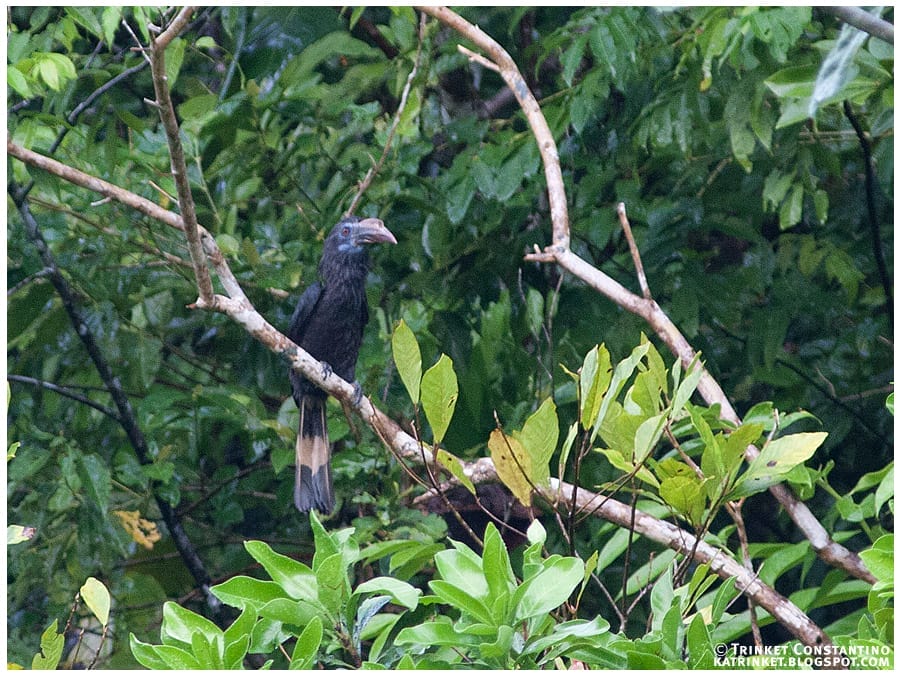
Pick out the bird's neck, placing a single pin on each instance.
(347, 272)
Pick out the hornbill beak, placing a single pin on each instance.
(373, 231)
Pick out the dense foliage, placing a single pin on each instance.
(764, 218)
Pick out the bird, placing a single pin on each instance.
(328, 323)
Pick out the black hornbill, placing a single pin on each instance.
(328, 323)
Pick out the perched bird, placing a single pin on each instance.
(328, 323)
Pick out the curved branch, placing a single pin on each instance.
(646, 308)
(503, 63)
(860, 18)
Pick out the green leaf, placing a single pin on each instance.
(621, 374)
(439, 393)
(463, 601)
(147, 655)
(332, 582)
(95, 477)
(793, 82)
(685, 494)
(307, 647)
(174, 59)
(775, 460)
(297, 580)
(880, 558)
(84, 17)
(462, 567)
(791, 209)
(595, 376)
(109, 21)
(96, 597)
(549, 588)
(497, 570)
(401, 593)
(180, 624)
(408, 359)
(455, 466)
(18, 81)
(52, 644)
(437, 633)
(571, 58)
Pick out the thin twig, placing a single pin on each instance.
(404, 97)
(63, 391)
(635, 253)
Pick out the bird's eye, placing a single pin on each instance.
(345, 231)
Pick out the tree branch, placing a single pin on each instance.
(860, 18)
(874, 229)
(242, 312)
(124, 411)
(503, 63)
(68, 393)
(560, 253)
(176, 150)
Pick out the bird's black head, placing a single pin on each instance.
(351, 233)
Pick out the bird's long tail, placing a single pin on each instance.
(312, 489)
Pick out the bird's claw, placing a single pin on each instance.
(357, 394)
(327, 370)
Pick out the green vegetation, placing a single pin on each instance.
(151, 443)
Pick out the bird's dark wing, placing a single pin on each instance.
(303, 311)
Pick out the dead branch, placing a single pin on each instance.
(560, 253)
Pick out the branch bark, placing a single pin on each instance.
(860, 18)
(560, 253)
(176, 150)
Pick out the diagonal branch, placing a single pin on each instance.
(646, 308)
(124, 411)
(176, 150)
(242, 312)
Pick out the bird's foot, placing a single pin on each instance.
(357, 394)
(327, 370)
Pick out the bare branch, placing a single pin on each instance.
(671, 536)
(63, 391)
(646, 308)
(860, 18)
(559, 213)
(635, 253)
(176, 150)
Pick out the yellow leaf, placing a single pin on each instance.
(513, 465)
